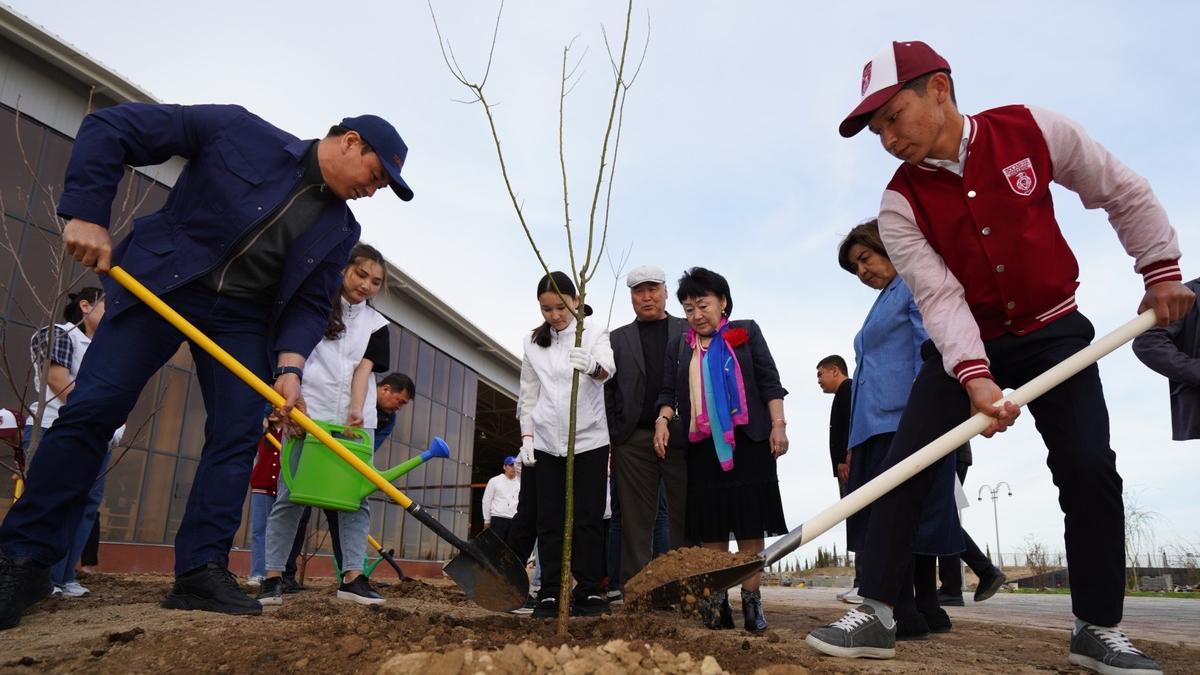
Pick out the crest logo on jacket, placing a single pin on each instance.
(1021, 177)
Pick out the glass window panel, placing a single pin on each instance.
(441, 377)
(122, 491)
(45, 266)
(123, 202)
(412, 537)
(437, 423)
(139, 423)
(392, 527)
(454, 395)
(420, 422)
(168, 423)
(185, 474)
(466, 455)
(44, 205)
(426, 355)
(377, 512)
(156, 498)
(16, 180)
(470, 393)
(193, 421)
(406, 361)
(450, 467)
(16, 348)
(428, 548)
(402, 432)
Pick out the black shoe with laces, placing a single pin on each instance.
(590, 605)
(547, 608)
(912, 627)
(527, 608)
(360, 591)
(290, 585)
(211, 589)
(1108, 651)
(23, 582)
(270, 592)
(938, 620)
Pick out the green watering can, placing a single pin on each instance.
(323, 479)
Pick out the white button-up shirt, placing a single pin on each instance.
(544, 405)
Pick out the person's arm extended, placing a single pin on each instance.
(358, 392)
(58, 379)
(1157, 349)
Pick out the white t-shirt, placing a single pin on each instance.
(330, 368)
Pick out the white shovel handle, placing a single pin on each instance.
(949, 441)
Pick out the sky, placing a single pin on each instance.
(729, 159)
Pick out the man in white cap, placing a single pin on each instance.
(640, 349)
(969, 223)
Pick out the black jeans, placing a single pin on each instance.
(587, 549)
(1072, 419)
(523, 532)
(501, 527)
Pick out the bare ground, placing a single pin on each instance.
(121, 629)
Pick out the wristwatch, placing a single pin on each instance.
(284, 370)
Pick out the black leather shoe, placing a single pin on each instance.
(211, 589)
(949, 600)
(290, 585)
(23, 582)
(989, 583)
(590, 605)
(937, 619)
(716, 612)
(913, 627)
(752, 612)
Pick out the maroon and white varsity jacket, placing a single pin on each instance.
(977, 242)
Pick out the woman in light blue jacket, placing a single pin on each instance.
(887, 359)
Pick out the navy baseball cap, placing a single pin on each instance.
(510, 460)
(386, 143)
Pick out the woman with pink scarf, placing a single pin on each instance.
(721, 397)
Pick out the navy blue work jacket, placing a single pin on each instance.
(239, 170)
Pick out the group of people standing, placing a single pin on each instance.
(687, 409)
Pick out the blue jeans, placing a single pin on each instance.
(125, 353)
(63, 571)
(260, 508)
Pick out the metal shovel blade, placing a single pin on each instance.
(490, 573)
(700, 585)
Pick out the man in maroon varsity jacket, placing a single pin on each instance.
(969, 223)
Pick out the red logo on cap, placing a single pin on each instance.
(866, 79)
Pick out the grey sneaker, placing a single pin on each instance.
(859, 634)
(1108, 651)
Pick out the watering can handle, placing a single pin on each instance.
(285, 460)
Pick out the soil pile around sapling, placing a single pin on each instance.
(613, 658)
(679, 565)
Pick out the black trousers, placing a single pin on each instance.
(587, 548)
(1073, 421)
(501, 526)
(949, 569)
(522, 533)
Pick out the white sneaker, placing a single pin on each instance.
(851, 597)
(73, 589)
(56, 592)
(255, 581)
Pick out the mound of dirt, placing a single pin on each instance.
(612, 658)
(679, 565)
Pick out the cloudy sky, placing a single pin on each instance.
(730, 159)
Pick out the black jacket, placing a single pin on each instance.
(1174, 352)
(624, 394)
(759, 375)
(839, 424)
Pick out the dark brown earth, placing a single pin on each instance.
(430, 628)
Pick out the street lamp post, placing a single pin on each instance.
(995, 513)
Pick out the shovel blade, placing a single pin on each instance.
(490, 573)
(700, 585)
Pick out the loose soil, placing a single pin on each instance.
(681, 565)
(430, 628)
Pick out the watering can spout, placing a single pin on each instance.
(437, 448)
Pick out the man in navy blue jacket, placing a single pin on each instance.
(250, 248)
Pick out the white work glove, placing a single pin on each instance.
(582, 360)
(527, 458)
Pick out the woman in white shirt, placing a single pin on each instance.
(338, 388)
(544, 409)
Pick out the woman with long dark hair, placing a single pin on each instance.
(550, 358)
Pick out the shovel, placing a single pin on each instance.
(673, 591)
(485, 568)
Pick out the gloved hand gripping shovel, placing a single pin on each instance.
(673, 591)
(485, 568)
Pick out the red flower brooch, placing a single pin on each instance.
(736, 337)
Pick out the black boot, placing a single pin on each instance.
(912, 627)
(752, 611)
(716, 611)
(212, 589)
(23, 582)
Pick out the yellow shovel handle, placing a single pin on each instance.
(214, 350)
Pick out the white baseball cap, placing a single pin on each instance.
(8, 425)
(885, 75)
(644, 274)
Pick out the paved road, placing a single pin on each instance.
(1161, 619)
